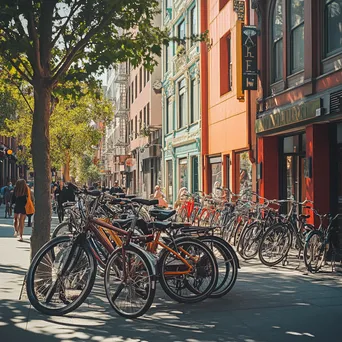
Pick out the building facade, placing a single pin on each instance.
(115, 144)
(181, 98)
(144, 130)
(228, 143)
(299, 101)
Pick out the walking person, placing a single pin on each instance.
(20, 199)
(30, 209)
(8, 193)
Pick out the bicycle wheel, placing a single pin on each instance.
(275, 245)
(314, 251)
(60, 276)
(177, 282)
(227, 262)
(63, 228)
(131, 284)
(249, 242)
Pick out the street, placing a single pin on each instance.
(280, 304)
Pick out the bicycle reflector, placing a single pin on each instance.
(9, 152)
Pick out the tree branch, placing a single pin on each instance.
(69, 58)
(18, 86)
(34, 37)
(22, 74)
(72, 12)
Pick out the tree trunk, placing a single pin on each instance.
(41, 165)
(66, 167)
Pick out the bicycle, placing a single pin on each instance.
(317, 244)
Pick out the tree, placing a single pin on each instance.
(49, 42)
(88, 172)
(72, 130)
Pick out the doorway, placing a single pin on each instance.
(292, 176)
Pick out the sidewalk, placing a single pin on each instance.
(266, 305)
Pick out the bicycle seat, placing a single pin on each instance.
(146, 201)
(304, 216)
(180, 225)
(123, 223)
(119, 195)
(95, 193)
(130, 196)
(161, 225)
(162, 214)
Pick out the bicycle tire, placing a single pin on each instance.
(63, 228)
(286, 249)
(245, 235)
(322, 251)
(224, 284)
(151, 281)
(195, 295)
(30, 286)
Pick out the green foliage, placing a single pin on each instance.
(87, 171)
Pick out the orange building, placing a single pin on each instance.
(227, 138)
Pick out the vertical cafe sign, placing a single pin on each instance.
(249, 58)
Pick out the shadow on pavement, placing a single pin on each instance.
(262, 307)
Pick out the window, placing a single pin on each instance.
(296, 35)
(333, 26)
(132, 130)
(244, 173)
(132, 91)
(167, 57)
(147, 76)
(277, 38)
(127, 98)
(194, 162)
(140, 122)
(183, 173)
(136, 86)
(181, 31)
(148, 114)
(215, 173)
(136, 127)
(193, 23)
(140, 79)
(225, 64)
(182, 117)
(168, 116)
(145, 116)
(193, 100)
(222, 3)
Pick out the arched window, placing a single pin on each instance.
(296, 35)
(277, 38)
(332, 26)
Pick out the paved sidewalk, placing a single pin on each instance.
(266, 305)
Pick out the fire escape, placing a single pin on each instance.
(121, 112)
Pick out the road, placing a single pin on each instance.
(266, 305)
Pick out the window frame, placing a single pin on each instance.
(226, 64)
(275, 41)
(192, 100)
(193, 23)
(182, 97)
(291, 29)
(327, 53)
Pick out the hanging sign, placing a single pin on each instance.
(249, 58)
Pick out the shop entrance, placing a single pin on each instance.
(292, 170)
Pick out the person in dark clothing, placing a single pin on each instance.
(63, 194)
(19, 199)
(8, 194)
(116, 189)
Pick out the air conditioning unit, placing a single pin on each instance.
(319, 111)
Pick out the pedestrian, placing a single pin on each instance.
(60, 197)
(31, 209)
(8, 193)
(158, 194)
(116, 189)
(20, 198)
